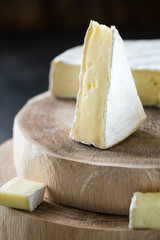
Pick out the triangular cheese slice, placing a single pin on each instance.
(108, 108)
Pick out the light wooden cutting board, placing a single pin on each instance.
(82, 176)
(54, 222)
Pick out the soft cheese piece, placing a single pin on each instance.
(144, 59)
(21, 194)
(108, 108)
(63, 76)
(145, 211)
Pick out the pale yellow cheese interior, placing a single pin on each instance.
(146, 213)
(94, 77)
(148, 86)
(14, 193)
(64, 79)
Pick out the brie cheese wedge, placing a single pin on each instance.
(145, 211)
(143, 56)
(22, 194)
(108, 108)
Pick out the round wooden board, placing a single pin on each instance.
(54, 222)
(78, 175)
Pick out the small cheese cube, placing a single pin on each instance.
(145, 211)
(22, 194)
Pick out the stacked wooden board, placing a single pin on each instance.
(78, 176)
(52, 221)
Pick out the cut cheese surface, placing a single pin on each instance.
(148, 86)
(145, 211)
(108, 108)
(21, 194)
(64, 79)
(64, 73)
(91, 100)
(143, 56)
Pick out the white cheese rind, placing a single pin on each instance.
(71, 56)
(132, 207)
(142, 55)
(36, 198)
(124, 111)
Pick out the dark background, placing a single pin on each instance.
(32, 32)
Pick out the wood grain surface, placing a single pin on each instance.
(83, 176)
(54, 222)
